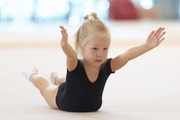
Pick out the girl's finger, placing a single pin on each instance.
(161, 35)
(161, 40)
(63, 28)
(158, 31)
(152, 32)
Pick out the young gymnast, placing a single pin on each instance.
(82, 89)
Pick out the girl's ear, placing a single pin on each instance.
(80, 46)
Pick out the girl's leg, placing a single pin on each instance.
(56, 80)
(47, 90)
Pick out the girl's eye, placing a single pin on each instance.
(94, 49)
(105, 49)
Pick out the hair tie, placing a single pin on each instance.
(90, 17)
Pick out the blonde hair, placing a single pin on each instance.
(91, 28)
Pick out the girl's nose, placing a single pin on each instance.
(99, 54)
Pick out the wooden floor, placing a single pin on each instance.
(147, 88)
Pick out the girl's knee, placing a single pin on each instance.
(50, 96)
(40, 82)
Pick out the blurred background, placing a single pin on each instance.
(20, 18)
(72, 11)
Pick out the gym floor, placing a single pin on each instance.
(147, 88)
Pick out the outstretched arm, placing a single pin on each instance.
(153, 40)
(68, 50)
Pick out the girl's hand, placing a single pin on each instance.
(64, 39)
(155, 37)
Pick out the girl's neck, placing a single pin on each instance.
(89, 67)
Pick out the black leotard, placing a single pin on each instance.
(78, 94)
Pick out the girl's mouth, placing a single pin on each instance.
(98, 60)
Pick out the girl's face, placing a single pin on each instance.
(95, 51)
